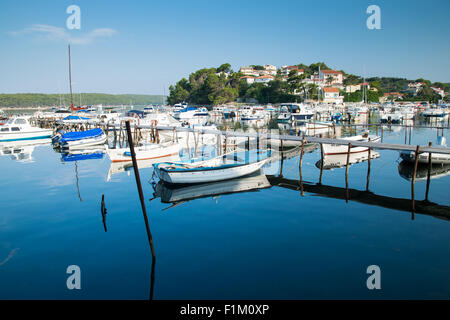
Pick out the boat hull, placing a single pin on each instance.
(334, 149)
(436, 158)
(202, 176)
(19, 136)
(118, 155)
(83, 143)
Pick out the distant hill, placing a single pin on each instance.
(40, 99)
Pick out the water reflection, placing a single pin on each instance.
(96, 152)
(21, 151)
(406, 171)
(340, 160)
(179, 194)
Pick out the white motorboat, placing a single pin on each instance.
(335, 149)
(294, 112)
(436, 158)
(19, 128)
(220, 168)
(249, 113)
(393, 116)
(145, 152)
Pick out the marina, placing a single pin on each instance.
(317, 190)
(224, 160)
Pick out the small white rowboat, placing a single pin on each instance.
(215, 169)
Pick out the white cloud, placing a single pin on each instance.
(52, 33)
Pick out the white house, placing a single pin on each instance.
(271, 69)
(248, 71)
(264, 79)
(439, 91)
(248, 79)
(338, 77)
(414, 87)
(356, 87)
(331, 95)
(285, 70)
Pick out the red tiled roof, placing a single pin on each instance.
(331, 71)
(328, 89)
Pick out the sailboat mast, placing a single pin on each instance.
(70, 83)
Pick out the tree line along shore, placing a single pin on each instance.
(35, 100)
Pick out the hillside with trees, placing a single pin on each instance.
(39, 99)
(213, 86)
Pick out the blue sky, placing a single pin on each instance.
(144, 46)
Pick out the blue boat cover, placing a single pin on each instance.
(75, 118)
(188, 109)
(78, 135)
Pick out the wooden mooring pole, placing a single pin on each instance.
(321, 163)
(428, 173)
(346, 172)
(300, 166)
(368, 168)
(139, 186)
(413, 180)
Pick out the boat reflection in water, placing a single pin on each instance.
(176, 194)
(118, 167)
(406, 171)
(340, 160)
(96, 152)
(21, 151)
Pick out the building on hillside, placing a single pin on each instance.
(391, 96)
(264, 79)
(356, 87)
(248, 79)
(271, 69)
(414, 87)
(331, 95)
(337, 77)
(439, 91)
(248, 71)
(285, 70)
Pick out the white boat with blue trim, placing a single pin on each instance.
(19, 128)
(220, 168)
(80, 139)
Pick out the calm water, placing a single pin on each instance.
(270, 244)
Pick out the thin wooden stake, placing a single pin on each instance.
(139, 186)
(413, 180)
(346, 171)
(321, 163)
(428, 173)
(368, 169)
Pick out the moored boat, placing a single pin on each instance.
(80, 139)
(145, 152)
(440, 158)
(220, 168)
(335, 149)
(19, 128)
